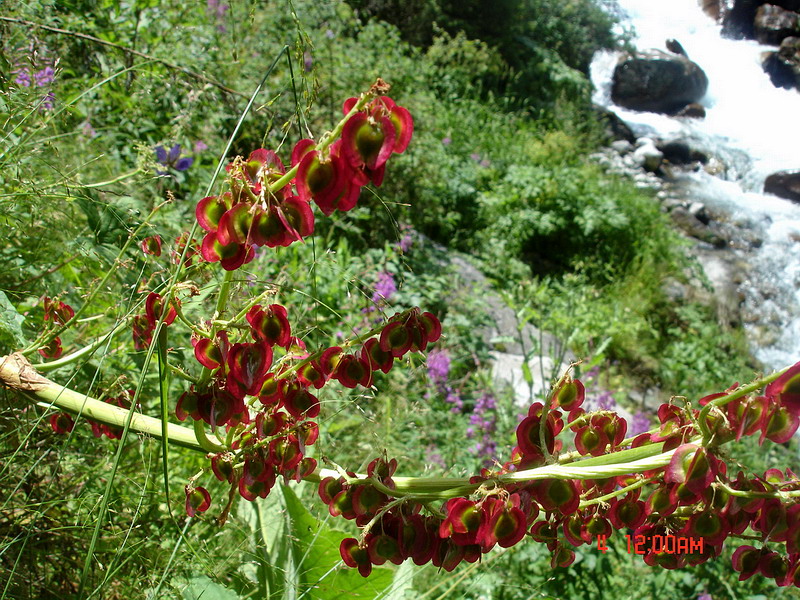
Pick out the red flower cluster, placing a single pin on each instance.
(273, 440)
(59, 313)
(695, 481)
(261, 209)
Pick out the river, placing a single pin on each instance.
(753, 128)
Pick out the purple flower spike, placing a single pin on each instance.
(384, 288)
(639, 424)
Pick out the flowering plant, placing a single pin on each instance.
(573, 478)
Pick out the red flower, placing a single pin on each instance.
(197, 500)
(61, 423)
(152, 245)
(270, 325)
(52, 350)
(58, 311)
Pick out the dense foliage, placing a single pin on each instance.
(116, 115)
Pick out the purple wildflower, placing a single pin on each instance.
(438, 366)
(88, 130)
(200, 146)
(405, 243)
(23, 78)
(454, 399)
(483, 425)
(446, 141)
(47, 101)
(329, 34)
(44, 77)
(639, 424)
(218, 10)
(705, 596)
(384, 288)
(475, 156)
(172, 159)
(432, 456)
(485, 162)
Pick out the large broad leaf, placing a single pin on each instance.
(11, 337)
(319, 573)
(201, 587)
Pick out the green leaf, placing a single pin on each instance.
(201, 587)
(402, 582)
(11, 335)
(318, 566)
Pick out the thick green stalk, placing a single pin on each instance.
(17, 373)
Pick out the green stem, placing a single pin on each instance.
(735, 395)
(77, 355)
(748, 494)
(325, 141)
(51, 395)
(619, 492)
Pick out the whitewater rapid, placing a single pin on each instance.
(752, 128)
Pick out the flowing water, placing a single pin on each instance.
(753, 128)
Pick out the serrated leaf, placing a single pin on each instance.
(11, 336)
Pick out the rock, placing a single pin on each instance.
(715, 167)
(698, 211)
(772, 24)
(507, 369)
(738, 16)
(712, 8)
(722, 273)
(675, 47)
(678, 152)
(647, 156)
(621, 146)
(694, 110)
(614, 128)
(785, 184)
(655, 81)
(695, 228)
(783, 66)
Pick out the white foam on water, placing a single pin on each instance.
(753, 127)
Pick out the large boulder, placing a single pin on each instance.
(656, 81)
(772, 24)
(785, 184)
(783, 66)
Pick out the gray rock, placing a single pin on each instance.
(695, 110)
(694, 227)
(783, 66)
(698, 211)
(648, 157)
(614, 128)
(656, 81)
(772, 24)
(621, 146)
(675, 47)
(785, 184)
